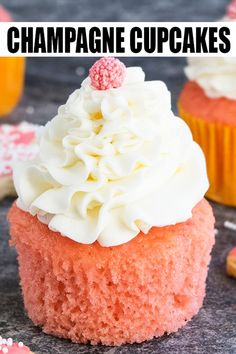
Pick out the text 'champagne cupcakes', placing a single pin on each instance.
(111, 227)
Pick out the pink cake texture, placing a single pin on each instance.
(107, 73)
(142, 289)
(7, 346)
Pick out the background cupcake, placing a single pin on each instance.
(112, 232)
(208, 104)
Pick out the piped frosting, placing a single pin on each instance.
(112, 163)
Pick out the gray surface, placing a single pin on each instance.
(48, 83)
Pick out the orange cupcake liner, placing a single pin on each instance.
(218, 142)
(231, 263)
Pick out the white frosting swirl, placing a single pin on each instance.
(112, 163)
(215, 75)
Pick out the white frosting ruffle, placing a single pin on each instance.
(113, 163)
(216, 76)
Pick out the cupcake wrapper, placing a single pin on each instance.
(113, 295)
(218, 142)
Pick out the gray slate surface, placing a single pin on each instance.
(48, 83)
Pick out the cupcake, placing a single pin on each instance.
(111, 227)
(208, 105)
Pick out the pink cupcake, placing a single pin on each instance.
(111, 228)
(207, 103)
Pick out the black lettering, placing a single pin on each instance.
(39, 41)
(175, 46)
(55, 40)
(108, 40)
(135, 34)
(226, 45)
(120, 40)
(150, 39)
(201, 44)
(162, 37)
(95, 40)
(213, 38)
(188, 41)
(81, 43)
(12, 45)
(70, 37)
(27, 40)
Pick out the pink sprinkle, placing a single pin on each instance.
(107, 73)
(231, 10)
(7, 346)
(9, 342)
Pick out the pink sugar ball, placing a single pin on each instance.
(107, 73)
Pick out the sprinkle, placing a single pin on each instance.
(9, 342)
(8, 346)
(230, 225)
(216, 231)
(107, 73)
